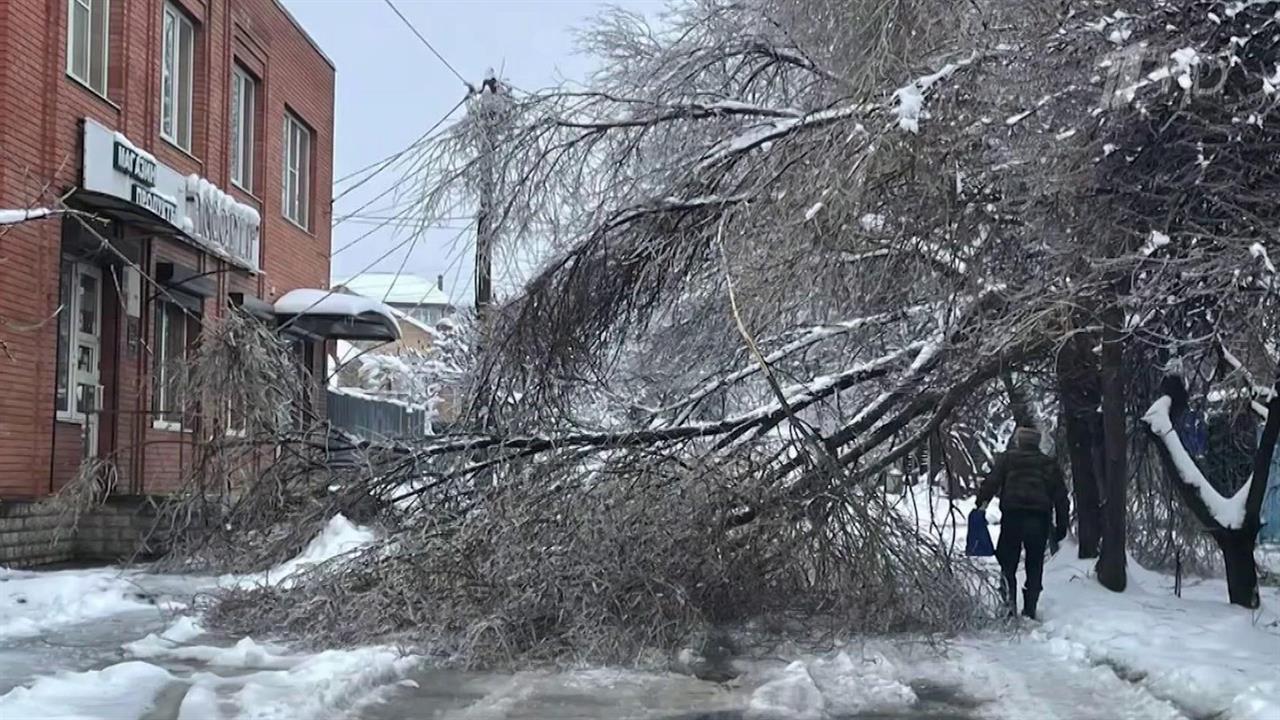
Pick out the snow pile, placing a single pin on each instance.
(1229, 512)
(184, 630)
(868, 685)
(834, 686)
(119, 692)
(13, 217)
(317, 687)
(174, 644)
(1209, 658)
(32, 603)
(280, 687)
(339, 536)
(793, 695)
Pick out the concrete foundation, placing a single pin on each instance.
(34, 533)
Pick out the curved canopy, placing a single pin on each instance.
(329, 314)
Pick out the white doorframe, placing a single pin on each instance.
(84, 353)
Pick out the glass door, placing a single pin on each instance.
(88, 355)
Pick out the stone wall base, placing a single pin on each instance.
(121, 530)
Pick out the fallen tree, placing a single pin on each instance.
(780, 260)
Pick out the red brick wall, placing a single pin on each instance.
(40, 159)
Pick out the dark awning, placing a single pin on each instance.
(185, 279)
(257, 308)
(337, 316)
(127, 212)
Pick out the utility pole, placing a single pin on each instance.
(487, 106)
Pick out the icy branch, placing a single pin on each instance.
(13, 217)
(810, 338)
(1257, 390)
(1228, 512)
(684, 111)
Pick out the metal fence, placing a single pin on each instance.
(374, 420)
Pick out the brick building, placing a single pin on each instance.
(198, 134)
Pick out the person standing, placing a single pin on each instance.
(1033, 506)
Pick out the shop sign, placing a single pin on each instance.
(196, 208)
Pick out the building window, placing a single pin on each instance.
(169, 349)
(297, 171)
(176, 77)
(87, 43)
(79, 341)
(243, 97)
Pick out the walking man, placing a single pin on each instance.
(1033, 505)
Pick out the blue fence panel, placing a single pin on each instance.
(373, 420)
(1270, 532)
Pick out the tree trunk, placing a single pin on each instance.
(1242, 572)
(1079, 397)
(1115, 479)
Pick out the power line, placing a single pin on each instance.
(384, 163)
(428, 44)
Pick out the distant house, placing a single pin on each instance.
(397, 370)
(415, 296)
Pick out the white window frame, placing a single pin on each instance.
(160, 367)
(244, 91)
(296, 163)
(88, 78)
(174, 86)
(76, 338)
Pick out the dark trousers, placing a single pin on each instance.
(1023, 530)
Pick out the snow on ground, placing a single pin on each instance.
(834, 685)
(1140, 655)
(1198, 652)
(179, 672)
(33, 603)
(338, 537)
(1204, 655)
(124, 690)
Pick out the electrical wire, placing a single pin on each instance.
(428, 44)
(386, 162)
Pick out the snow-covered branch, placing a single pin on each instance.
(13, 217)
(810, 338)
(1227, 512)
(679, 111)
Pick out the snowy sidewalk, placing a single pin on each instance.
(86, 644)
(1207, 658)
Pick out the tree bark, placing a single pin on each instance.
(1242, 571)
(1080, 397)
(1111, 560)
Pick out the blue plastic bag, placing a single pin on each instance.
(1194, 434)
(979, 543)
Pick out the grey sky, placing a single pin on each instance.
(390, 89)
